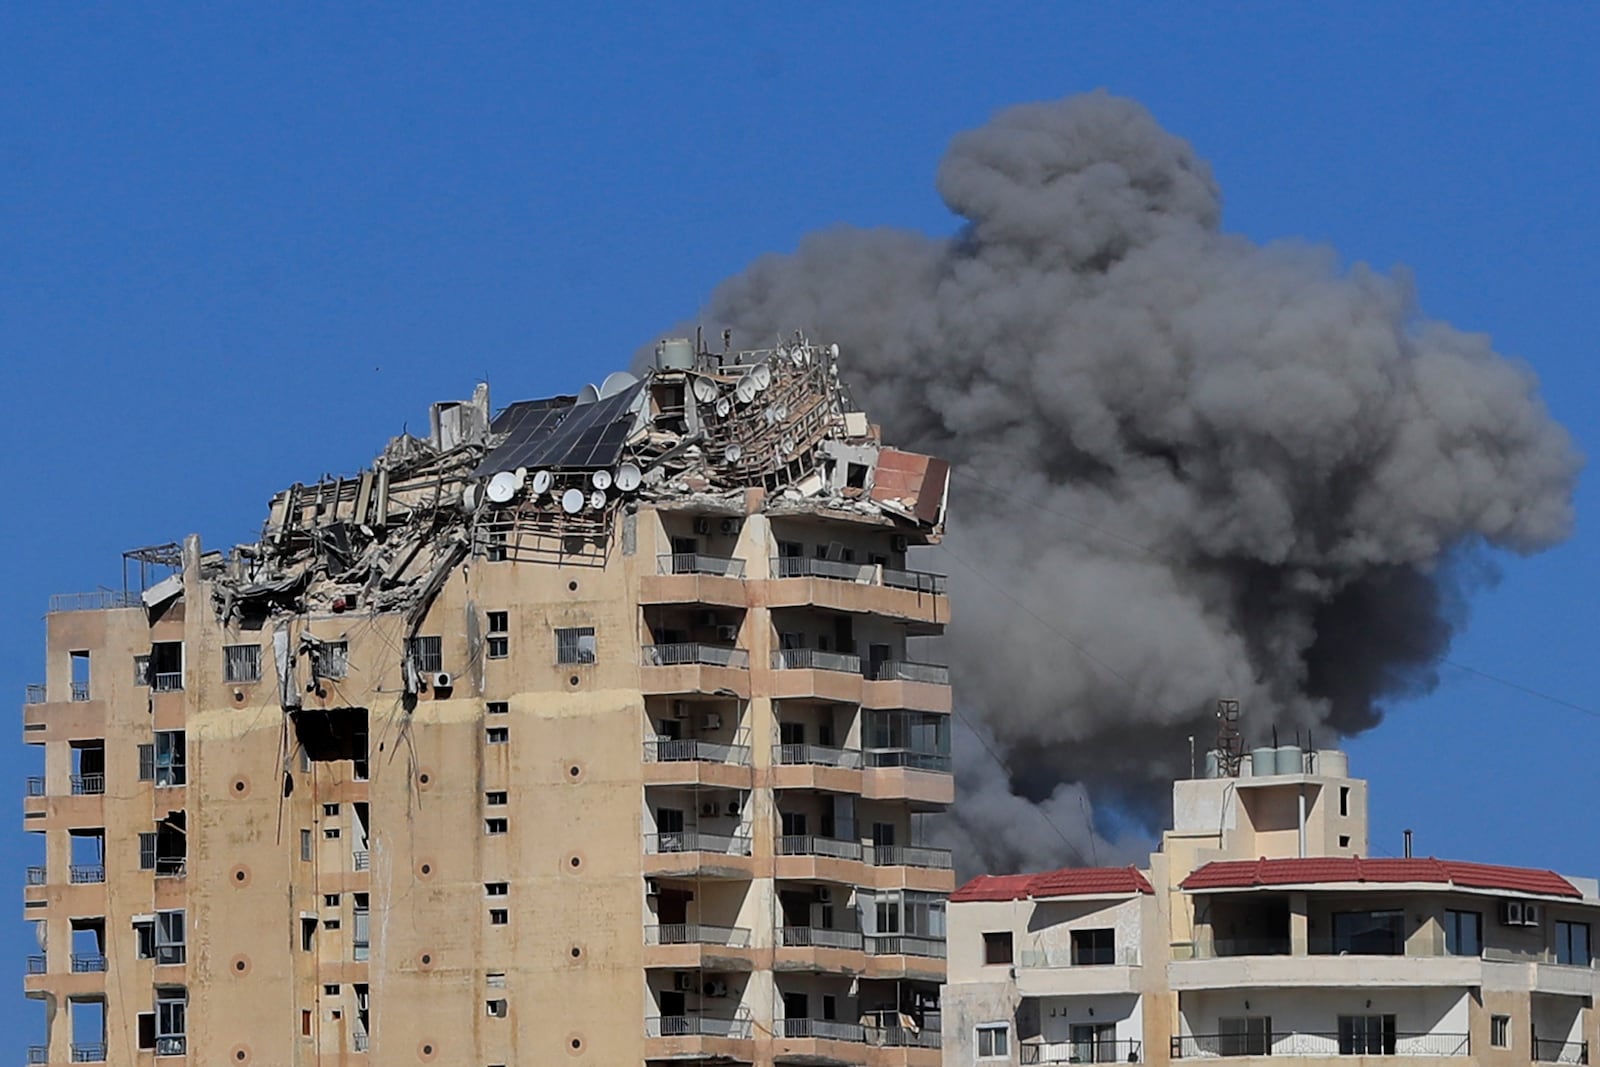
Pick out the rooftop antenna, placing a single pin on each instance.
(727, 341)
(1230, 747)
(1408, 844)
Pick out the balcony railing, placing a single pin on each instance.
(814, 659)
(37, 875)
(98, 600)
(697, 934)
(696, 1026)
(938, 859)
(36, 965)
(80, 692)
(898, 670)
(909, 758)
(807, 567)
(695, 563)
(36, 787)
(171, 866)
(816, 756)
(1308, 1043)
(932, 948)
(916, 581)
(709, 655)
(360, 859)
(896, 1035)
(35, 693)
(38, 1054)
(819, 937)
(88, 963)
(88, 785)
(695, 841)
(1063, 956)
(88, 1053)
(169, 682)
(358, 1041)
(822, 1030)
(809, 845)
(1126, 1050)
(171, 1045)
(1547, 1051)
(86, 873)
(694, 750)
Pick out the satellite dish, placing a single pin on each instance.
(780, 412)
(469, 496)
(628, 477)
(724, 405)
(745, 391)
(502, 487)
(705, 390)
(601, 480)
(771, 417)
(732, 453)
(572, 501)
(786, 446)
(615, 383)
(522, 477)
(833, 350)
(597, 500)
(541, 482)
(762, 376)
(587, 395)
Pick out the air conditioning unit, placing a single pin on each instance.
(727, 633)
(708, 809)
(442, 680)
(652, 888)
(1530, 914)
(1519, 913)
(730, 526)
(709, 618)
(680, 709)
(702, 525)
(712, 721)
(824, 894)
(683, 982)
(733, 807)
(715, 988)
(898, 543)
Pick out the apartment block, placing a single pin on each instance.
(597, 729)
(1263, 932)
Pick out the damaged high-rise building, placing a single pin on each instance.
(599, 729)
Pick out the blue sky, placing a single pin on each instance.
(241, 249)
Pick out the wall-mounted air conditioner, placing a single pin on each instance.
(898, 543)
(442, 680)
(716, 988)
(702, 525)
(727, 633)
(683, 982)
(680, 709)
(730, 526)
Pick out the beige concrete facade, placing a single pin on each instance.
(1301, 962)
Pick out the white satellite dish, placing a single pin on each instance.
(745, 391)
(572, 501)
(786, 445)
(705, 390)
(601, 480)
(469, 496)
(597, 500)
(833, 350)
(761, 374)
(502, 487)
(588, 395)
(628, 477)
(724, 405)
(541, 482)
(732, 453)
(522, 477)
(616, 382)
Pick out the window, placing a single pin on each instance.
(1572, 943)
(147, 1030)
(1366, 1035)
(499, 916)
(144, 933)
(333, 660)
(361, 934)
(1500, 1031)
(330, 810)
(1463, 933)
(1093, 1042)
(1344, 800)
(172, 1023)
(499, 636)
(141, 677)
(330, 900)
(330, 990)
(147, 851)
(495, 979)
(495, 549)
(171, 944)
(147, 763)
(1244, 1035)
(170, 758)
(426, 654)
(1369, 933)
(497, 707)
(496, 889)
(575, 644)
(496, 1009)
(1344, 840)
(497, 735)
(305, 846)
(495, 798)
(1094, 947)
(494, 826)
(330, 832)
(997, 947)
(308, 932)
(994, 1041)
(80, 675)
(166, 666)
(330, 924)
(241, 663)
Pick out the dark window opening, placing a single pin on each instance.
(331, 735)
(1094, 947)
(997, 947)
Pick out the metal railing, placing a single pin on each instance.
(938, 859)
(697, 934)
(694, 750)
(811, 845)
(696, 1026)
(908, 758)
(98, 600)
(168, 682)
(80, 692)
(932, 948)
(1314, 1043)
(916, 581)
(360, 859)
(88, 1053)
(34, 693)
(171, 1045)
(37, 875)
(819, 937)
(36, 965)
(36, 787)
(807, 567)
(696, 563)
(1123, 1050)
(695, 841)
(38, 1054)
(171, 866)
(822, 1030)
(693, 652)
(1063, 956)
(88, 785)
(814, 659)
(899, 670)
(86, 873)
(358, 1041)
(1548, 1051)
(896, 1035)
(816, 756)
(88, 963)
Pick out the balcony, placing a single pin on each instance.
(696, 1026)
(86, 873)
(88, 785)
(1257, 963)
(1116, 1051)
(817, 948)
(171, 866)
(36, 787)
(815, 756)
(35, 693)
(814, 659)
(693, 578)
(88, 1053)
(1045, 972)
(928, 948)
(935, 859)
(38, 1054)
(810, 673)
(694, 668)
(360, 859)
(810, 845)
(696, 946)
(1547, 1051)
(691, 761)
(699, 563)
(169, 682)
(916, 596)
(907, 684)
(835, 770)
(37, 876)
(88, 963)
(80, 692)
(1317, 1044)
(687, 853)
(916, 775)
(698, 1037)
(99, 600)
(358, 1041)
(36, 965)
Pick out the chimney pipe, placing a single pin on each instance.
(1408, 844)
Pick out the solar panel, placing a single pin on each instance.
(526, 424)
(559, 433)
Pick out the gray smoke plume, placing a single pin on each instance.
(1189, 466)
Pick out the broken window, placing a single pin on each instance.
(497, 707)
(330, 810)
(330, 735)
(497, 1009)
(308, 932)
(80, 675)
(499, 636)
(333, 660)
(165, 850)
(494, 549)
(426, 654)
(166, 666)
(241, 663)
(499, 916)
(170, 758)
(172, 1022)
(495, 826)
(144, 934)
(496, 889)
(141, 677)
(575, 644)
(495, 798)
(497, 735)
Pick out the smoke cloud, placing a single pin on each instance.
(1189, 466)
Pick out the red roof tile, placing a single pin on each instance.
(1067, 882)
(1244, 874)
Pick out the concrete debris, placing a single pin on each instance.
(544, 480)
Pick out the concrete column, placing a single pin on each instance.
(1299, 941)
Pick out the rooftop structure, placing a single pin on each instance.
(592, 730)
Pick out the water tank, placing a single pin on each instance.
(1213, 766)
(1331, 763)
(675, 353)
(1263, 761)
(1291, 759)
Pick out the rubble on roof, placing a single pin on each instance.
(543, 480)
